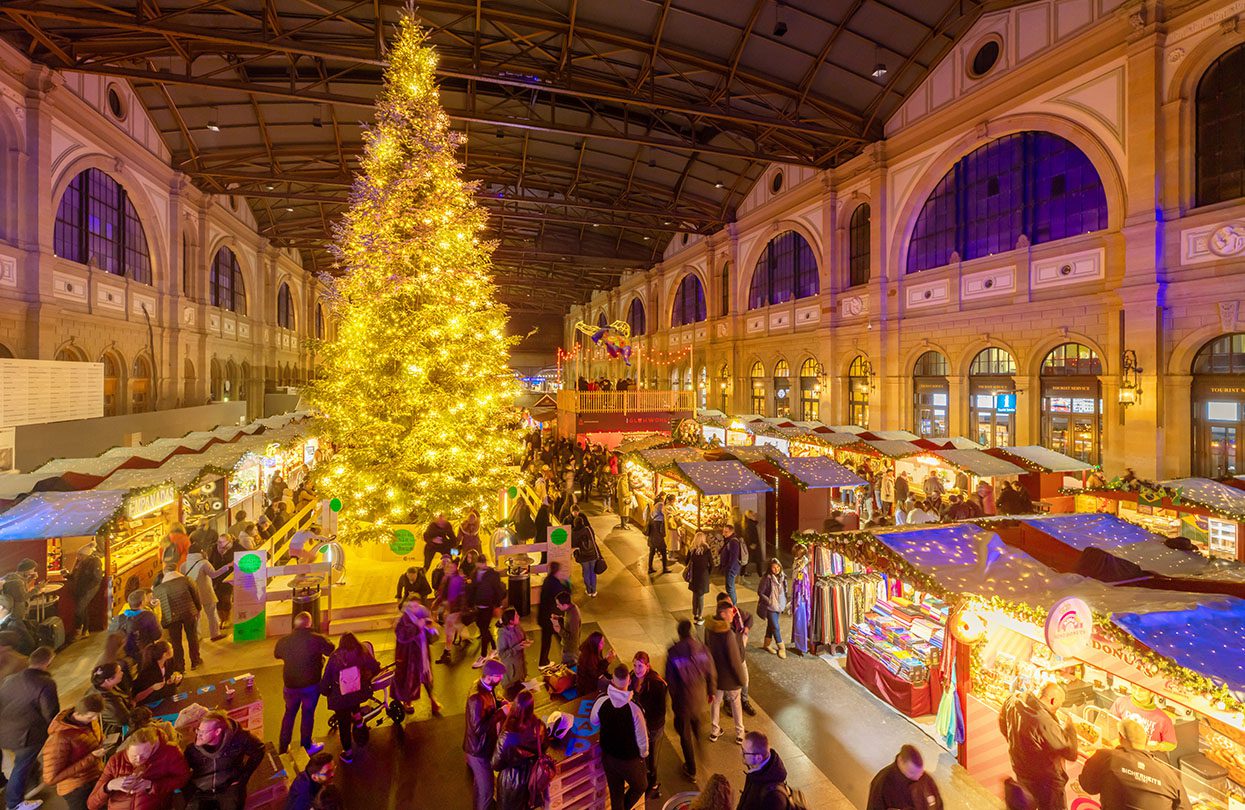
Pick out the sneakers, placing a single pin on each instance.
(347, 756)
(314, 748)
(715, 735)
(479, 663)
(30, 804)
(688, 772)
(698, 620)
(739, 740)
(749, 709)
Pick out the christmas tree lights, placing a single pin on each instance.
(414, 392)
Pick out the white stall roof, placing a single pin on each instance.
(980, 464)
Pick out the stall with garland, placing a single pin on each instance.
(809, 491)
(1049, 472)
(959, 472)
(711, 494)
(646, 480)
(1209, 514)
(956, 613)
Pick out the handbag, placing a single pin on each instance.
(349, 680)
(599, 566)
(541, 774)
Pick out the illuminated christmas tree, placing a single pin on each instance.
(414, 391)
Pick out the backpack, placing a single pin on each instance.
(743, 554)
(795, 797)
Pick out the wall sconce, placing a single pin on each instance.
(1130, 388)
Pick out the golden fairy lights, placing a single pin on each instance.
(413, 393)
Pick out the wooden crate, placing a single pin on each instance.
(269, 785)
(578, 782)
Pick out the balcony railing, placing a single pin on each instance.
(625, 401)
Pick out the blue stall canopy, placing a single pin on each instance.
(1128, 541)
(722, 478)
(820, 472)
(1205, 639)
(60, 514)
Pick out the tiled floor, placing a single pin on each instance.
(831, 733)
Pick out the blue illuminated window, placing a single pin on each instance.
(689, 302)
(635, 318)
(96, 223)
(787, 269)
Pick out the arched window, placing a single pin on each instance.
(702, 387)
(931, 395)
(1218, 408)
(810, 390)
(782, 389)
(285, 307)
(319, 321)
(676, 378)
(992, 397)
(635, 318)
(858, 247)
(689, 302)
(787, 269)
(724, 385)
(859, 382)
(70, 354)
(757, 375)
(1031, 183)
(140, 385)
(602, 321)
(5, 352)
(228, 291)
(96, 224)
(726, 288)
(1072, 402)
(1221, 129)
(113, 393)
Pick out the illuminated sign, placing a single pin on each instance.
(138, 505)
(1005, 403)
(1069, 627)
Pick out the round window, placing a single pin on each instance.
(775, 185)
(986, 57)
(115, 106)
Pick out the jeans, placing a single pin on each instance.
(82, 609)
(698, 604)
(688, 728)
(345, 728)
(76, 799)
(306, 698)
(737, 712)
(772, 630)
(624, 771)
(482, 781)
(176, 630)
(484, 621)
(653, 551)
(23, 761)
(650, 761)
(590, 576)
(730, 587)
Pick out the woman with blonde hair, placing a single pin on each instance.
(717, 795)
(469, 533)
(699, 564)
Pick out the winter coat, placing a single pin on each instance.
(902, 489)
(513, 758)
(485, 588)
(330, 683)
(469, 540)
(229, 767)
(985, 490)
(650, 695)
(691, 677)
(179, 545)
(25, 642)
(116, 713)
(1133, 780)
(1038, 745)
(764, 788)
(584, 544)
(28, 702)
(570, 623)
(141, 627)
(202, 574)
(440, 537)
(724, 647)
(480, 732)
(179, 600)
(67, 759)
(549, 590)
(731, 555)
(752, 537)
(891, 790)
(166, 770)
(699, 563)
(87, 576)
(624, 732)
(657, 527)
(303, 651)
(303, 792)
(419, 588)
(772, 593)
(511, 654)
(412, 659)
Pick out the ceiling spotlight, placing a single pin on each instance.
(879, 70)
(667, 222)
(646, 239)
(212, 125)
(780, 25)
(596, 224)
(269, 187)
(289, 210)
(719, 184)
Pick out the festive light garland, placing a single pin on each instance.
(415, 391)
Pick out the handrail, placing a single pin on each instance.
(279, 543)
(625, 401)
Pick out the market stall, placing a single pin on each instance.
(809, 492)
(953, 609)
(1049, 472)
(712, 493)
(643, 469)
(959, 472)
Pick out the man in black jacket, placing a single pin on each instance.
(179, 613)
(87, 576)
(555, 583)
(728, 663)
(303, 652)
(904, 785)
(692, 680)
(28, 702)
(486, 594)
(624, 741)
(650, 694)
(1131, 777)
(765, 785)
(480, 733)
(221, 759)
(1038, 745)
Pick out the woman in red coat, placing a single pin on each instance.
(141, 776)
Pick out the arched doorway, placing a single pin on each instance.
(70, 354)
(217, 382)
(188, 382)
(5, 352)
(992, 397)
(930, 394)
(810, 391)
(1219, 407)
(231, 381)
(782, 389)
(140, 385)
(676, 377)
(724, 388)
(1072, 402)
(113, 385)
(859, 381)
(757, 376)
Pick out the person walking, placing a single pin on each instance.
(904, 785)
(741, 624)
(85, 579)
(220, 556)
(555, 583)
(74, 751)
(346, 684)
(512, 644)
(765, 780)
(451, 599)
(801, 599)
(585, 550)
(752, 542)
(772, 603)
(413, 658)
(731, 558)
(656, 532)
(623, 496)
(222, 759)
(486, 594)
(28, 703)
(650, 692)
(568, 622)
(728, 664)
(302, 654)
(697, 572)
(624, 741)
(519, 745)
(1132, 777)
(692, 680)
(179, 611)
(202, 575)
(310, 781)
(1038, 745)
(479, 732)
(143, 775)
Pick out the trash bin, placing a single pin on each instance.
(306, 591)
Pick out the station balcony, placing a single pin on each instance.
(584, 412)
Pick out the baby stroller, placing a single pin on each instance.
(379, 704)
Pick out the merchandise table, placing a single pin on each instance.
(911, 699)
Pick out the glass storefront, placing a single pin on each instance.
(782, 389)
(1072, 402)
(1219, 407)
(931, 395)
(992, 398)
(859, 383)
(758, 388)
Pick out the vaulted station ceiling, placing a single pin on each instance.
(597, 128)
